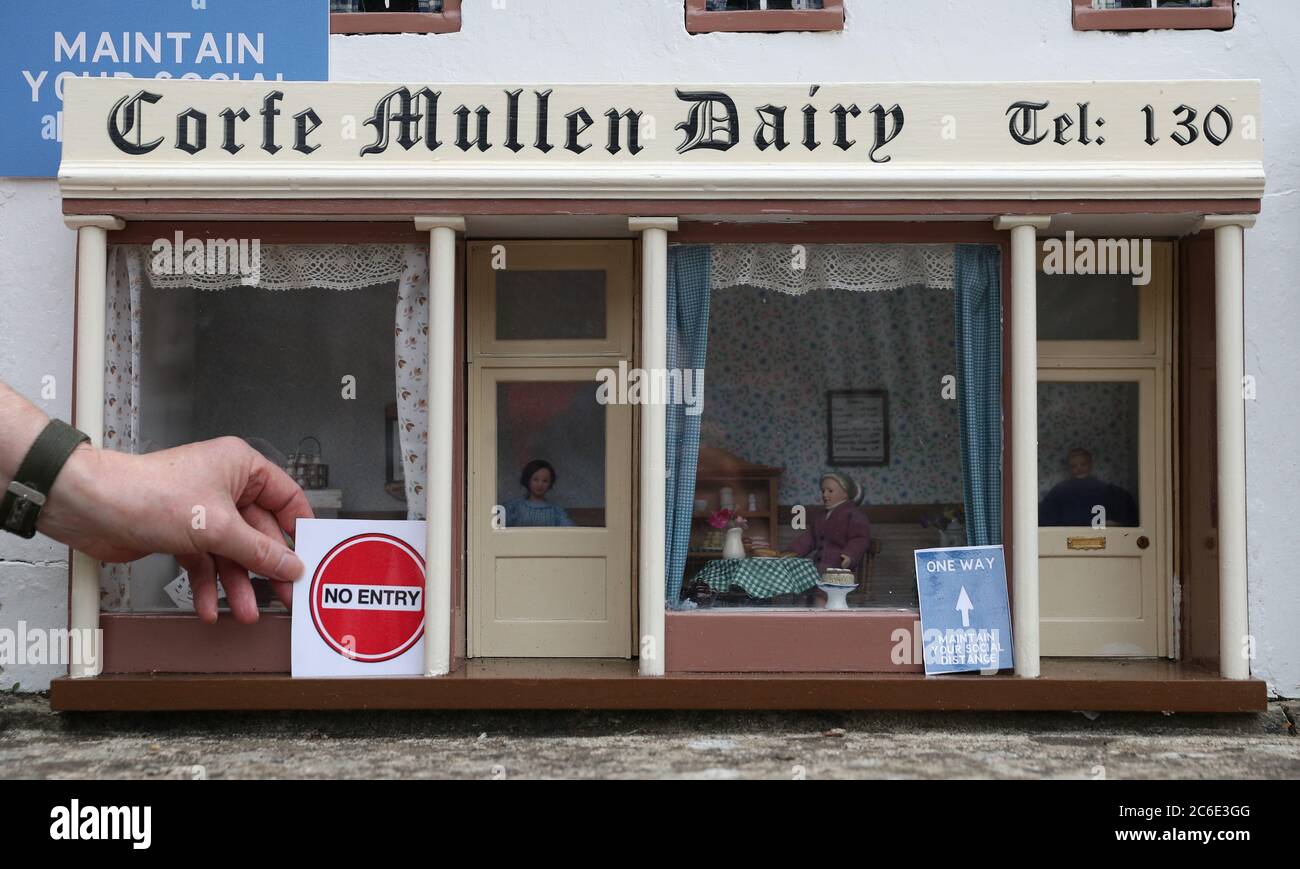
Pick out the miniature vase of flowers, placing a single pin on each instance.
(950, 523)
(733, 544)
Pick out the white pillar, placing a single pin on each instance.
(1229, 344)
(439, 551)
(88, 411)
(654, 425)
(1024, 438)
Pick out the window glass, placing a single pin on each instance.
(760, 5)
(1088, 308)
(793, 380)
(1088, 454)
(1149, 4)
(305, 373)
(550, 305)
(550, 454)
(385, 5)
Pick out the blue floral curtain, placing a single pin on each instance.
(978, 322)
(688, 339)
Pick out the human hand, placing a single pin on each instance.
(219, 506)
(845, 561)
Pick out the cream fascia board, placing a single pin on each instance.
(974, 140)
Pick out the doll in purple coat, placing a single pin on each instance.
(841, 536)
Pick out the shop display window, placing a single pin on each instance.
(831, 434)
(299, 360)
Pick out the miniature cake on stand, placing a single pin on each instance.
(837, 583)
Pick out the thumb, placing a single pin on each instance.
(258, 553)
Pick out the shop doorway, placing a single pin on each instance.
(551, 489)
(1105, 461)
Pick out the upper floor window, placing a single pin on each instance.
(763, 16)
(1153, 14)
(394, 16)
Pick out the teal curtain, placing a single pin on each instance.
(688, 339)
(978, 322)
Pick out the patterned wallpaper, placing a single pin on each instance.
(772, 357)
(1099, 417)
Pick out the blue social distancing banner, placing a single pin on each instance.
(44, 42)
(965, 616)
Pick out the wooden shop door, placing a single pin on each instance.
(550, 574)
(1105, 462)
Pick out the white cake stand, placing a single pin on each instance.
(837, 596)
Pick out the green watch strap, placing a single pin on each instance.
(26, 495)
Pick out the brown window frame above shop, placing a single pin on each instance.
(355, 23)
(828, 18)
(1218, 16)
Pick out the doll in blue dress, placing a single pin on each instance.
(534, 511)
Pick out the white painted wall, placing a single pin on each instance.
(917, 40)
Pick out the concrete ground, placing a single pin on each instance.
(36, 743)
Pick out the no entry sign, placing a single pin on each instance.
(360, 607)
(367, 597)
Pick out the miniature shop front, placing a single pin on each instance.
(841, 382)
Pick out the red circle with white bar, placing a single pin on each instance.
(367, 597)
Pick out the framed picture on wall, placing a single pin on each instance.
(857, 427)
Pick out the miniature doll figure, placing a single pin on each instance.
(535, 511)
(1075, 500)
(841, 536)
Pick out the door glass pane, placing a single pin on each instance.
(550, 305)
(550, 454)
(1088, 436)
(1088, 308)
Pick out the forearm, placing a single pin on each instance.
(859, 538)
(20, 424)
(857, 547)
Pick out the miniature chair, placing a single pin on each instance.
(867, 568)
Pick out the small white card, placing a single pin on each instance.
(359, 608)
(182, 594)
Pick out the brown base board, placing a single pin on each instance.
(1065, 685)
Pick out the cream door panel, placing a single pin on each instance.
(1101, 589)
(550, 591)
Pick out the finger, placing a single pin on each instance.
(283, 592)
(254, 550)
(264, 522)
(274, 490)
(239, 591)
(203, 584)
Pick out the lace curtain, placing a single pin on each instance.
(412, 359)
(122, 331)
(283, 267)
(797, 269)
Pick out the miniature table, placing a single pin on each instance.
(760, 577)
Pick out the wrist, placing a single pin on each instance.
(76, 494)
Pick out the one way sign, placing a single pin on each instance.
(965, 618)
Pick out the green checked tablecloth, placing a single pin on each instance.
(760, 577)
